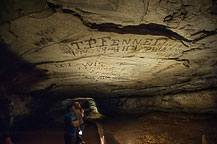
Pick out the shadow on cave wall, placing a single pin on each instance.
(16, 75)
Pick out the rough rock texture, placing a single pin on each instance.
(12, 9)
(154, 50)
(201, 101)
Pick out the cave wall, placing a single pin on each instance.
(146, 54)
(187, 102)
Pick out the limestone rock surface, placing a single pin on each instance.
(121, 48)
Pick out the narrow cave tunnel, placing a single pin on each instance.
(145, 71)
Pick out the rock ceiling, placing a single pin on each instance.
(119, 47)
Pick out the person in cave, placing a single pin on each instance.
(79, 112)
(6, 120)
(71, 124)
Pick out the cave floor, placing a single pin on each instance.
(149, 128)
(53, 134)
(162, 128)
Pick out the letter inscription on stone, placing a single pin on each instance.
(117, 44)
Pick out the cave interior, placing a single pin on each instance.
(147, 69)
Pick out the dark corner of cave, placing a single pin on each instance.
(108, 72)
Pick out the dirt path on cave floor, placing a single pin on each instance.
(150, 128)
(54, 135)
(162, 128)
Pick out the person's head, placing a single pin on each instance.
(77, 105)
(70, 108)
(6, 106)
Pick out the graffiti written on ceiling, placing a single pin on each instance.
(100, 50)
(90, 66)
(108, 44)
(104, 68)
(91, 69)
